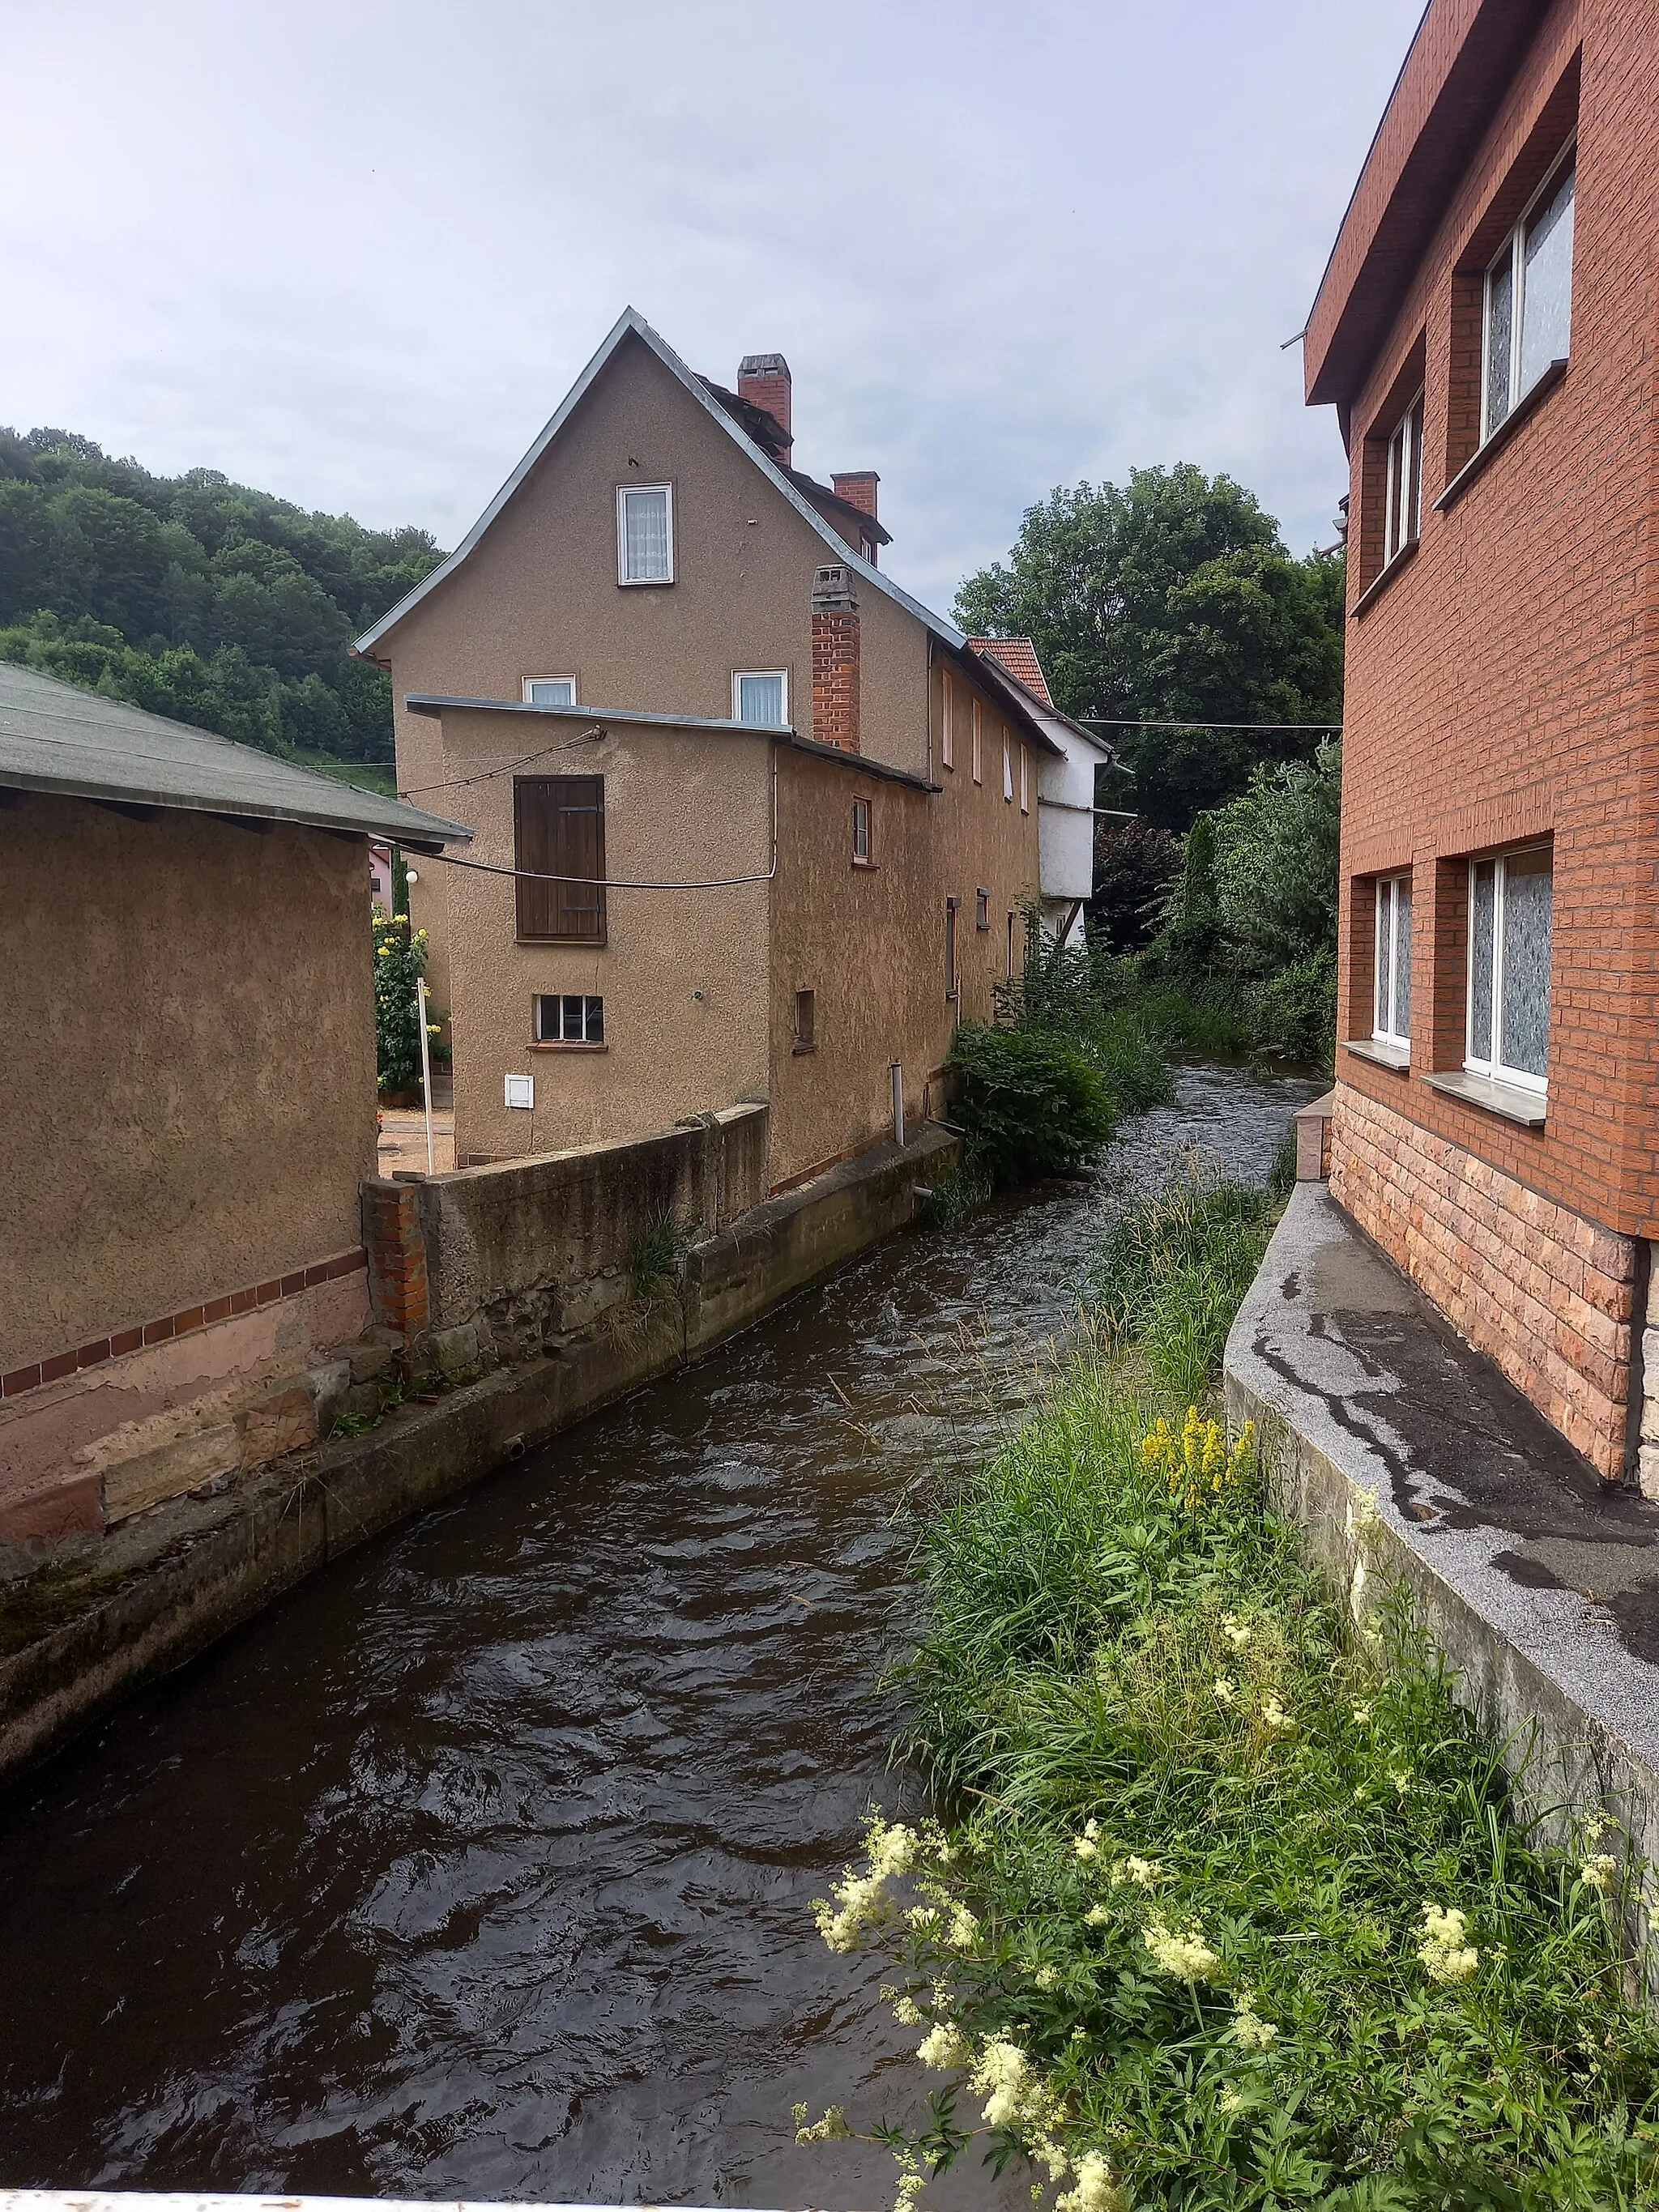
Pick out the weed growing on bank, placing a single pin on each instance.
(1173, 1269)
(1231, 1908)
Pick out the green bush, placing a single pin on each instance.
(399, 962)
(1029, 1103)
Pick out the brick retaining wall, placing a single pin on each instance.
(1544, 1293)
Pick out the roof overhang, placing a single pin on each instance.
(1463, 60)
(432, 703)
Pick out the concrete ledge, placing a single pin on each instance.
(75, 1635)
(1539, 1582)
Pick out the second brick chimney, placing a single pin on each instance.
(857, 487)
(835, 658)
(764, 381)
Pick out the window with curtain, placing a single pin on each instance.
(1528, 318)
(558, 826)
(645, 533)
(1008, 769)
(762, 698)
(1511, 903)
(549, 690)
(1392, 998)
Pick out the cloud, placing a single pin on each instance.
(355, 253)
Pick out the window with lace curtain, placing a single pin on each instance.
(1511, 911)
(645, 534)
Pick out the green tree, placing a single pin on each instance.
(1172, 597)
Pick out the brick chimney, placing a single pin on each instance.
(857, 487)
(764, 381)
(835, 658)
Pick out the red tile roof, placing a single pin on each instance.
(1018, 656)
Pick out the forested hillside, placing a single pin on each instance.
(198, 598)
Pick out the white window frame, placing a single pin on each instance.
(589, 999)
(861, 819)
(1514, 252)
(1024, 781)
(1385, 1020)
(1495, 1070)
(1405, 467)
(530, 682)
(742, 676)
(624, 493)
(947, 740)
(1008, 769)
(979, 743)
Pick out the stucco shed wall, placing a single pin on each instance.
(190, 1063)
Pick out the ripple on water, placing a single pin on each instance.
(481, 1864)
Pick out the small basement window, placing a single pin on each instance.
(645, 534)
(807, 1021)
(1512, 908)
(1392, 995)
(762, 697)
(569, 1018)
(549, 690)
(860, 833)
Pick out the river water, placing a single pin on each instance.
(481, 1865)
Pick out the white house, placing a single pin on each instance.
(1066, 812)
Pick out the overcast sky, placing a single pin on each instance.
(354, 253)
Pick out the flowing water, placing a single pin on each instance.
(481, 1865)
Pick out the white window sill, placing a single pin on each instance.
(1378, 1049)
(1509, 1100)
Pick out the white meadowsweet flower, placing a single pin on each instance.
(1012, 2091)
(945, 2047)
(1095, 1917)
(1223, 1691)
(1401, 1778)
(1095, 2189)
(1047, 2152)
(1047, 1977)
(1362, 1716)
(1253, 2033)
(1235, 1632)
(906, 2012)
(1145, 1874)
(1185, 1955)
(1231, 2101)
(1274, 1718)
(1444, 1954)
(964, 1930)
(1600, 1872)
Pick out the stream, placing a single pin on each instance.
(481, 1865)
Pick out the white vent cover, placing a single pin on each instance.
(521, 1091)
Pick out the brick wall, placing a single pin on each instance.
(1503, 684)
(836, 659)
(1542, 1291)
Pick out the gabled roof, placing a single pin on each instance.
(80, 745)
(629, 323)
(1040, 710)
(1018, 656)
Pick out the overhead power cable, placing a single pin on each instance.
(600, 883)
(1123, 722)
(487, 775)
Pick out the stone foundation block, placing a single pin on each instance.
(187, 1463)
(284, 1422)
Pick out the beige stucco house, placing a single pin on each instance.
(190, 1099)
(751, 823)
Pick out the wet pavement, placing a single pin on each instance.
(482, 1864)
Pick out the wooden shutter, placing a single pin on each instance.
(558, 823)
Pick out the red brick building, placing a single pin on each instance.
(1488, 331)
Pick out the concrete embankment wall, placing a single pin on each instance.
(509, 1259)
(1407, 1459)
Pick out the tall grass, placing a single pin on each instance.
(1228, 1907)
(1173, 1270)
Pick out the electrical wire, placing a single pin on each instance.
(1120, 722)
(487, 775)
(599, 883)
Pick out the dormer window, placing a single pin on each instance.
(1528, 316)
(645, 534)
